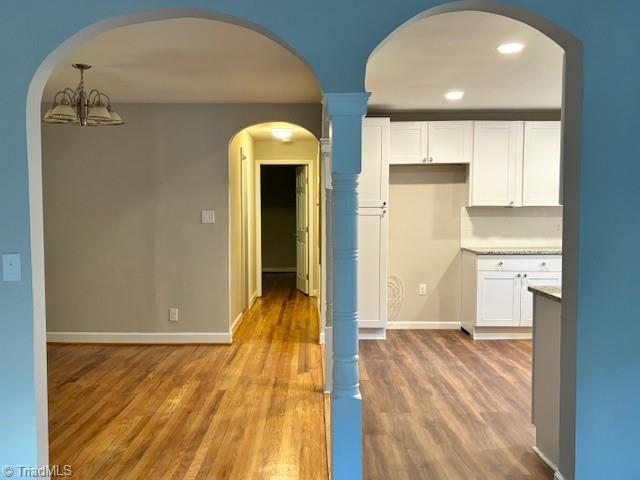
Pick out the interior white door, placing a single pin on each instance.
(541, 164)
(450, 142)
(302, 229)
(409, 142)
(535, 279)
(496, 169)
(499, 299)
(373, 191)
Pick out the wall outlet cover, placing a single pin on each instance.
(174, 314)
(422, 289)
(11, 267)
(208, 216)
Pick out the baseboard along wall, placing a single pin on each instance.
(139, 337)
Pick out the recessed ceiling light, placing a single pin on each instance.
(510, 48)
(282, 133)
(454, 95)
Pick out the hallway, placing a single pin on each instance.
(251, 410)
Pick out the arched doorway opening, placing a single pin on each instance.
(274, 211)
(144, 181)
(419, 86)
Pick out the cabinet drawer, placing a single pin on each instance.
(497, 263)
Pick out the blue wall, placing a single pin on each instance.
(335, 37)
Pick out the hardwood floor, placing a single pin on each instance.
(251, 410)
(436, 404)
(439, 406)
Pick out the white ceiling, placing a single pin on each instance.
(262, 131)
(457, 51)
(188, 60)
(204, 61)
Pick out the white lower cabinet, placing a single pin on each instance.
(495, 291)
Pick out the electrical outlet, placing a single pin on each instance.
(422, 289)
(173, 314)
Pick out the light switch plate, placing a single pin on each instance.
(208, 216)
(11, 268)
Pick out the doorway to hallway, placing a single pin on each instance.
(284, 222)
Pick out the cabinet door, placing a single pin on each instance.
(541, 164)
(450, 142)
(499, 299)
(496, 169)
(372, 223)
(408, 142)
(535, 279)
(373, 185)
(372, 268)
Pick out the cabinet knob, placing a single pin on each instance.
(431, 159)
(500, 264)
(544, 264)
(511, 202)
(424, 160)
(525, 275)
(519, 275)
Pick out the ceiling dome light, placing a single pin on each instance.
(454, 95)
(282, 133)
(510, 48)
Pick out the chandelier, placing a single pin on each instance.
(77, 107)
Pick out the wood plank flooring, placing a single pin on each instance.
(439, 406)
(436, 404)
(251, 410)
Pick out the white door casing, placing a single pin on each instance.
(302, 229)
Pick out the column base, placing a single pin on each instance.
(346, 438)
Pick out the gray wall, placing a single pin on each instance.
(278, 202)
(123, 238)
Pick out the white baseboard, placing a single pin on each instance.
(546, 460)
(372, 334)
(138, 337)
(502, 335)
(313, 293)
(423, 325)
(278, 269)
(558, 476)
(322, 337)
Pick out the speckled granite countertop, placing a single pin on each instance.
(514, 250)
(554, 293)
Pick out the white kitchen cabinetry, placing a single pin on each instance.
(496, 300)
(409, 144)
(515, 164)
(541, 164)
(431, 142)
(496, 170)
(373, 197)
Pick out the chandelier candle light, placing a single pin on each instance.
(77, 107)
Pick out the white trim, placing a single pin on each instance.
(236, 324)
(558, 476)
(375, 324)
(138, 337)
(502, 336)
(423, 326)
(372, 334)
(278, 269)
(545, 459)
(327, 334)
(323, 338)
(313, 293)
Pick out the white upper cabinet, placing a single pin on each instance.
(431, 142)
(409, 143)
(496, 170)
(450, 142)
(541, 167)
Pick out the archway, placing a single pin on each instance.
(571, 115)
(263, 231)
(35, 94)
